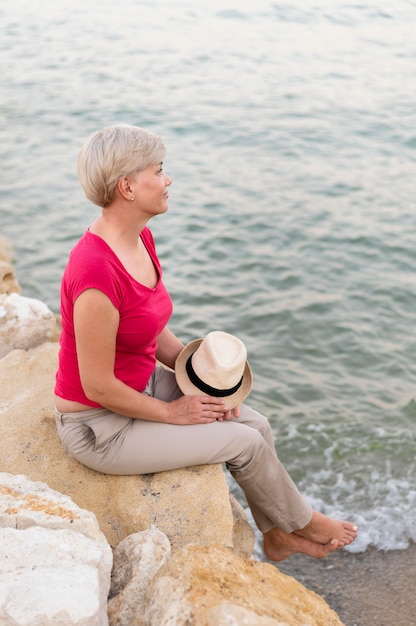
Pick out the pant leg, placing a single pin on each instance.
(116, 444)
(270, 492)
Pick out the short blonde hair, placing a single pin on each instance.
(112, 153)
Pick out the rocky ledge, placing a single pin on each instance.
(82, 548)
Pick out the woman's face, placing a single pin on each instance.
(150, 189)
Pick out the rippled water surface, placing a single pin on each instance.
(291, 134)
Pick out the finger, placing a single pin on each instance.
(216, 415)
(207, 420)
(214, 407)
(218, 402)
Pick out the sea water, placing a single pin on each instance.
(291, 135)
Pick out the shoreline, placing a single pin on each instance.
(372, 588)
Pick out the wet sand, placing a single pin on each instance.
(373, 588)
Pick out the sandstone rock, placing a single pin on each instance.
(56, 577)
(8, 281)
(232, 615)
(24, 323)
(211, 586)
(5, 249)
(190, 505)
(136, 560)
(243, 532)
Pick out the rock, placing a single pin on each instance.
(24, 503)
(5, 250)
(26, 383)
(136, 560)
(243, 532)
(190, 505)
(231, 615)
(24, 323)
(55, 563)
(211, 586)
(8, 281)
(56, 577)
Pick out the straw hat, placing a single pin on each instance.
(215, 366)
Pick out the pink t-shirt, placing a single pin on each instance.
(144, 312)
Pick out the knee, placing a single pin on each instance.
(248, 446)
(257, 421)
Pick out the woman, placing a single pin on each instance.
(117, 411)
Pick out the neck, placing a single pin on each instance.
(115, 225)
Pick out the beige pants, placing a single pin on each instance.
(114, 444)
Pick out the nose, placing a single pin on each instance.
(168, 180)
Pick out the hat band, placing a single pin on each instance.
(211, 391)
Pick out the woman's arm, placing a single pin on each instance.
(169, 346)
(96, 322)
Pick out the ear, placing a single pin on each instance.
(124, 188)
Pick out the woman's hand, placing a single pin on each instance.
(198, 410)
(229, 412)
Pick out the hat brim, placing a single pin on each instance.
(189, 389)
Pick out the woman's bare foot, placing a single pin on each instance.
(279, 545)
(322, 529)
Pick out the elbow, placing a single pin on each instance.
(96, 392)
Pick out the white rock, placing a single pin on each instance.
(24, 503)
(53, 577)
(136, 560)
(24, 323)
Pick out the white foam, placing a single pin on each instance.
(384, 510)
